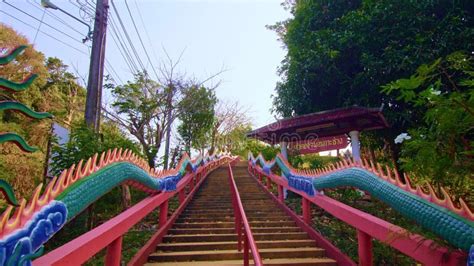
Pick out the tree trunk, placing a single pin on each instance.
(394, 156)
(126, 197)
(90, 217)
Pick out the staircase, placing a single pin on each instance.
(204, 233)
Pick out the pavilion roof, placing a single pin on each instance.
(321, 124)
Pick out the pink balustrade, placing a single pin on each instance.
(368, 227)
(109, 235)
(241, 220)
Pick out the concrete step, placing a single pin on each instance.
(204, 234)
(273, 262)
(189, 246)
(231, 219)
(209, 255)
(253, 224)
(232, 237)
(230, 230)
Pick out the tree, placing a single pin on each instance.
(341, 52)
(84, 143)
(440, 147)
(139, 107)
(196, 116)
(67, 96)
(229, 121)
(54, 91)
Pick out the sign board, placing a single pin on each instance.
(319, 144)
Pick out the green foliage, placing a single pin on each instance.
(441, 146)
(197, 117)
(339, 53)
(268, 152)
(55, 91)
(310, 161)
(140, 109)
(236, 142)
(84, 143)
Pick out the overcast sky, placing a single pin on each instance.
(217, 34)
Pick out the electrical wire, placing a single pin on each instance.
(121, 46)
(51, 14)
(141, 41)
(127, 36)
(146, 31)
(33, 27)
(33, 17)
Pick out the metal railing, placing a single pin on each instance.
(241, 220)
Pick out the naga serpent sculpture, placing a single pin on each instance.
(441, 216)
(23, 234)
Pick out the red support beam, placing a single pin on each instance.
(281, 196)
(246, 251)
(269, 183)
(114, 253)
(306, 208)
(182, 196)
(163, 214)
(365, 248)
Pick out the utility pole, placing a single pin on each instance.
(96, 68)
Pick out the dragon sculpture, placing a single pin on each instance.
(34, 223)
(23, 233)
(452, 222)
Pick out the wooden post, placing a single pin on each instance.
(269, 183)
(365, 248)
(163, 214)
(114, 253)
(306, 208)
(280, 194)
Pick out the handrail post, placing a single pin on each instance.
(280, 194)
(182, 195)
(306, 208)
(114, 253)
(365, 248)
(163, 214)
(246, 251)
(192, 182)
(269, 183)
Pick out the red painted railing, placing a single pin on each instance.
(241, 219)
(109, 234)
(368, 227)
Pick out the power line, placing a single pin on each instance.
(51, 14)
(146, 31)
(127, 36)
(33, 17)
(33, 27)
(123, 49)
(141, 41)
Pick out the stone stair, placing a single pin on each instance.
(204, 233)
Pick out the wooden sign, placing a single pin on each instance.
(319, 144)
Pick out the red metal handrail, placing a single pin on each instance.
(368, 226)
(241, 219)
(109, 234)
